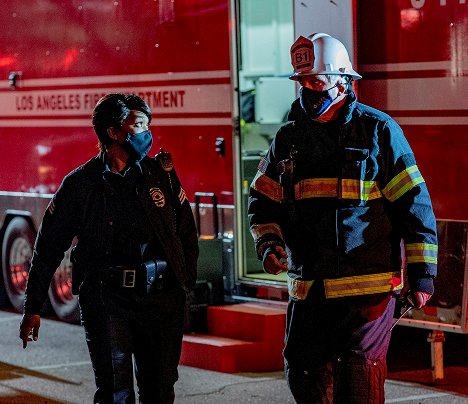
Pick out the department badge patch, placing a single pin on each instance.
(158, 197)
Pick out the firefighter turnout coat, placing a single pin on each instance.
(343, 197)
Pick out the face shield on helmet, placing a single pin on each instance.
(320, 54)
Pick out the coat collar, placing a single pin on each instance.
(102, 156)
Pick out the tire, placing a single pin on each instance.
(63, 302)
(17, 249)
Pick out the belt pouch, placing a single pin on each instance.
(154, 273)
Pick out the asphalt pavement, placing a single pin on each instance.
(56, 370)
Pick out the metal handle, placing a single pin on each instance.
(214, 201)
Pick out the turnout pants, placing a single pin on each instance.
(335, 349)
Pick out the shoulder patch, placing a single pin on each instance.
(182, 196)
(262, 165)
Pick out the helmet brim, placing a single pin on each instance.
(353, 75)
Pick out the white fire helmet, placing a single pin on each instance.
(320, 53)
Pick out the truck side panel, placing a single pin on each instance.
(173, 54)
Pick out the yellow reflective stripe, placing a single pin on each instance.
(349, 286)
(402, 183)
(268, 187)
(316, 188)
(358, 189)
(421, 252)
(299, 289)
(328, 188)
(362, 284)
(258, 230)
(350, 188)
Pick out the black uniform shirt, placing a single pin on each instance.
(130, 224)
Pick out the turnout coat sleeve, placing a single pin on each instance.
(410, 208)
(56, 232)
(265, 198)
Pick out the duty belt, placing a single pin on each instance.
(143, 278)
(123, 276)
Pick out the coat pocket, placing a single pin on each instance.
(354, 188)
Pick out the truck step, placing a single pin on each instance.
(229, 355)
(248, 321)
(245, 337)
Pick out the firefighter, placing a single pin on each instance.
(333, 201)
(135, 255)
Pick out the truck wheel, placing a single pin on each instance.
(63, 302)
(17, 249)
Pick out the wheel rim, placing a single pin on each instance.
(20, 261)
(64, 303)
(62, 281)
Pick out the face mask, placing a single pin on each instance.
(138, 145)
(315, 103)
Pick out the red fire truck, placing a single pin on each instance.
(215, 74)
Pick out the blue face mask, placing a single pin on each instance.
(138, 145)
(315, 103)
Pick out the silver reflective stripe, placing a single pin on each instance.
(299, 289)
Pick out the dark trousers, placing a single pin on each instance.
(335, 349)
(151, 336)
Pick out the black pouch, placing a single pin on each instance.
(154, 273)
